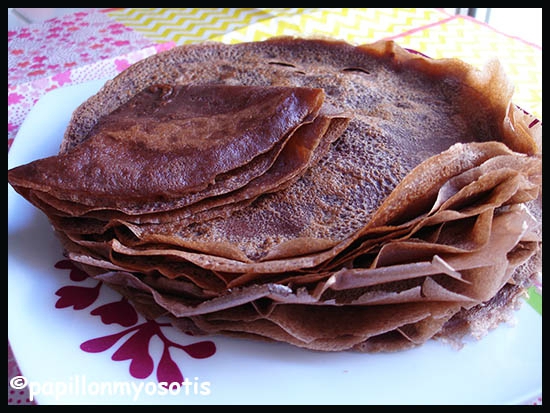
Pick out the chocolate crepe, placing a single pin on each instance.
(308, 191)
(196, 133)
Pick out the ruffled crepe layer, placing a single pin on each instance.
(392, 287)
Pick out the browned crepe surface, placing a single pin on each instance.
(422, 219)
(168, 142)
(401, 116)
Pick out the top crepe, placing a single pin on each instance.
(196, 133)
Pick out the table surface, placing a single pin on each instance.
(99, 43)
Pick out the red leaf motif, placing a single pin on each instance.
(119, 312)
(97, 345)
(200, 350)
(167, 370)
(136, 348)
(76, 296)
(76, 273)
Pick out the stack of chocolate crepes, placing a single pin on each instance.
(308, 191)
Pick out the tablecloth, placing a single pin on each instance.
(99, 43)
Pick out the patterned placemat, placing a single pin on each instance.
(475, 43)
(66, 50)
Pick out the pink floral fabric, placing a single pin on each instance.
(74, 48)
(66, 42)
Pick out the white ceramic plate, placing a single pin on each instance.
(503, 368)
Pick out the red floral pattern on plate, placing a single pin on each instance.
(135, 338)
